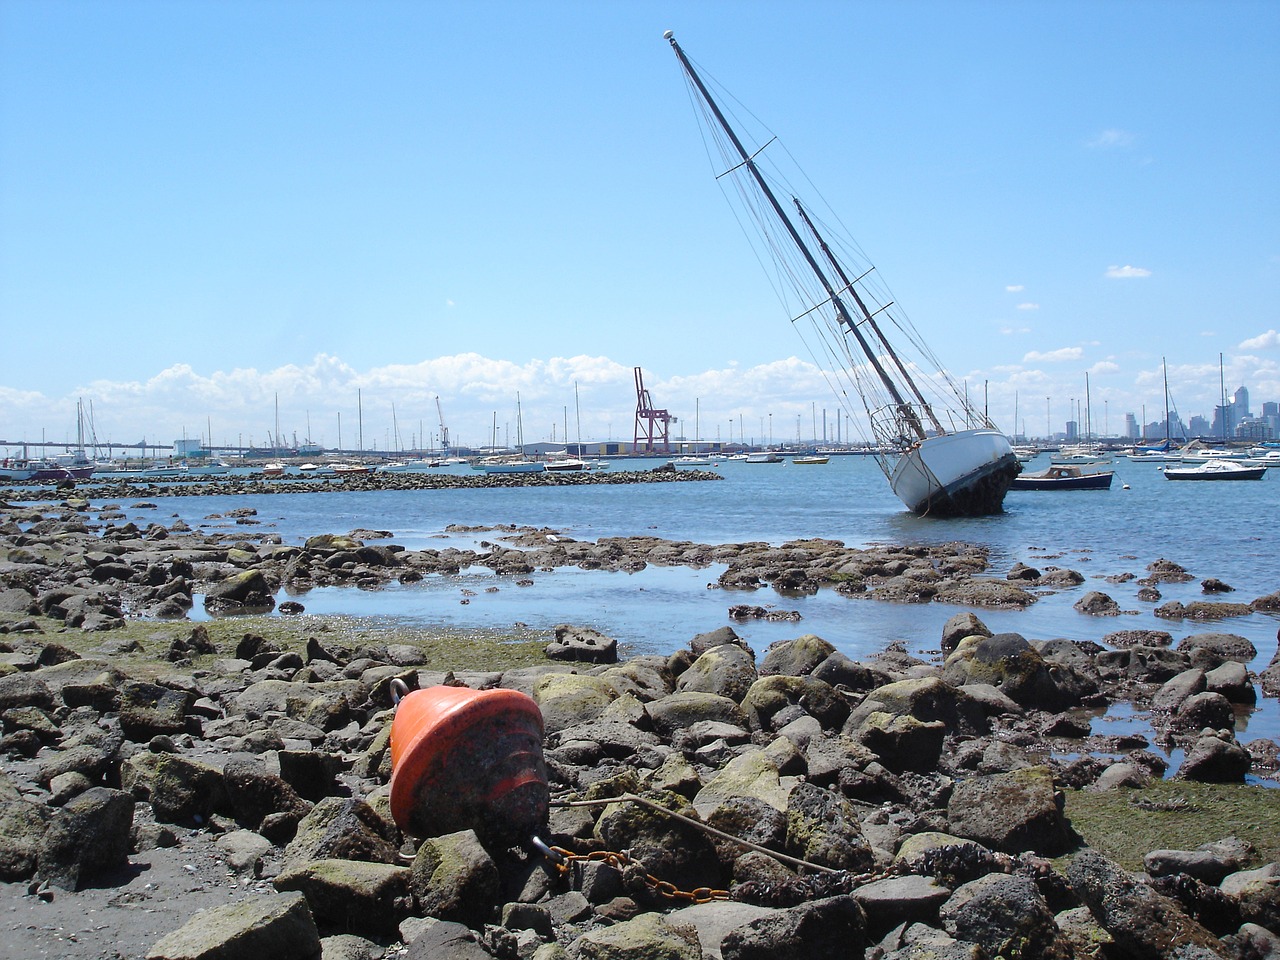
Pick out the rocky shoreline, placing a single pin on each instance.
(181, 797)
(104, 487)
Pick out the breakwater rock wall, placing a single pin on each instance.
(104, 487)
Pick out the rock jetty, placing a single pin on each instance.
(104, 486)
(715, 802)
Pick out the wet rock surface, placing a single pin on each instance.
(893, 807)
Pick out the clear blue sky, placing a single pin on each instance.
(208, 205)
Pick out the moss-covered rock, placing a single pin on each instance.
(1011, 812)
(353, 895)
(567, 699)
(454, 878)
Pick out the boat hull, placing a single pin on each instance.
(964, 474)
(43, 470)
(1049, 480)
(1216, 471)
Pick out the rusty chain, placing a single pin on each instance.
(563, 859)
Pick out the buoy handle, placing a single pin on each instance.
(399, 690)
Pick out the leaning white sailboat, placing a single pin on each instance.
(941, 456)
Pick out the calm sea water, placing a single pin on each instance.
(1223, 530)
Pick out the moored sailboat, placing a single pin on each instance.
(941, 457)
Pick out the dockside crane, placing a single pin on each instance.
(444, 431)
(653, 426)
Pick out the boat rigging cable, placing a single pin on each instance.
(883, 392)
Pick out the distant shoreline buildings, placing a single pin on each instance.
(1232, 420)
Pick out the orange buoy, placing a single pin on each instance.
(468, 759)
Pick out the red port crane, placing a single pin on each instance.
(652, 426)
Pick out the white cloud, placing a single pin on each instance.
(1127, 272)
(1112, 139)
(1028, 306)
(1105, 366)
(1009, 331)
(1014, 288)
(1054, 356)
(1266, 341)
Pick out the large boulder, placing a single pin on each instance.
(726, 670)
(823, 828)
(1006, 915)
(1009, 663)
(89, 835)
(960, 626)
(926, 699)
(1258, 893)
(683, 709)
(454, 878)
(770, 694)
(278, 927)
(179, 790)
(902, 742)
(795, 658)
(753, 775)
(906, 899)
(1215, 758)
(353, 895)
(1212, 649)
(255, 793)
(582, 644)
(1012, 812)
(247, 589)
(342, 828)
(567, 699)
(1143, 924)
(24, 690)
(648, 937)
(670, 849)
(645, 678)
(832, 927)
(22, 827)
(148, 710)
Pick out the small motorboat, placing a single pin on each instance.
(1216, 470)
(350, 469)
(1064, 477)
(690, 461)
(810, 459)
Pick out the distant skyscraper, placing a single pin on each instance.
(1240, 405)
(1222, 421)
(1130, 426)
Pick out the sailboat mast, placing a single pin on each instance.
(1165, 368)
(1088, 414)
(577, 415)
(1222, 391)
(867, 316)
(903, 408)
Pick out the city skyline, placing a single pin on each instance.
(815, 422)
